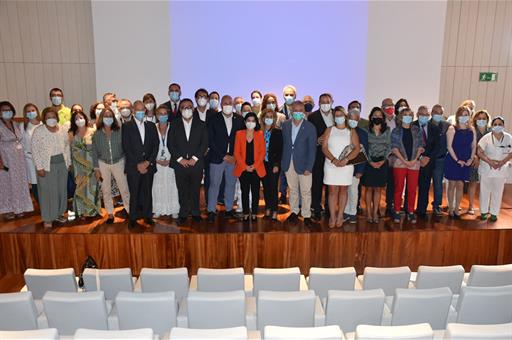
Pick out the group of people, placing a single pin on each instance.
(156, 158)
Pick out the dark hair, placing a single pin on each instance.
(252, 114)
(49, 109)
(383, 126)
(74, 128)
(258, 92)
(199, 91)
(353, 102)
(55, 89)
(400, 101)
(325, 95)
(92, 110)
(214, 92)
(11, 107)
(100, 125)
(246, 103)
(174, 84)
(148, 96)
(186, 100)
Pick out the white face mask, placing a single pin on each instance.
(113, 106)
(202, 101)
(98, 112)
(325, 108)
(150, 106)
(227, 109)
(187, 113)
(126, 112)
(51, 122)
(250, 125)
(80, 122)
(56, 100)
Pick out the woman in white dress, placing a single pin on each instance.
(340, 144)
(32, 120)
(165, 192)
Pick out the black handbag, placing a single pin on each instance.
(88, 263)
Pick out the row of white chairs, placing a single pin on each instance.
(422, 331)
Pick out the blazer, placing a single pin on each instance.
(363, 141)
(172, 115)
(259, 153)
(303, 150)
(275, 147)
(219, 143)
(209, 115)
(135, 151)
(432, 144)
(396, 142)
(316, 119)
(180, 147)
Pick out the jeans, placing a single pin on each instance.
(437, 178)
(217, 173)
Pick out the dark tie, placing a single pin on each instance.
(424, 135)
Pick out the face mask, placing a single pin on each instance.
(289, 99)
(339, 120)
(423, 120)
(298, 115)
(108, 121)
(139, 115)
(389, 110)
(481, 122)
(214, 104)
(353, 123)
(271, 106)
(31, 114)
(256, 101)
(238, 107)
(126, 112)
(401, 108)
(463, 119)
(354, 111)
(377, 120)
(51, 122)
(187, 113)
(98, 112)
(407, 119)
(202, 101)
(227, 110)
(308, 107)
(250, 125)
(149, 106)
(498, 128)
(56, 100)
(325, 108)
(113, 106)
(269, 121)
(163, 119)
(80, 122)
(437, 118)
(7, 115)
(244, 114)
(174, 96)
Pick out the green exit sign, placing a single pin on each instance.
(488, 76)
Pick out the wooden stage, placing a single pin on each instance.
(436, 241)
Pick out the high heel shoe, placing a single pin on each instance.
(274, 216)
(245, 217)
(253, 217)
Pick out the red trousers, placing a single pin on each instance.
(400, 175)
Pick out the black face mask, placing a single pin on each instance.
(377, 120)
(308, 107)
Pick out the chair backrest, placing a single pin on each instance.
(276, 279)
(490, 276)
(413, 306)
(387, 279)
(288, 309)
(220, 280)
(70, 311)
(348, 309)
(39, 334)
(459, 331)
(485, 305)
(17, 312)
(216, 309)
(147, 310)
(154, 280)
(322, 280)
(39, 281)
(437, 277)
(312, 333)
(139, 334)
(233, 333)
(421, 331)
(111, 281)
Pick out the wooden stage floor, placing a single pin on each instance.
(24, 243)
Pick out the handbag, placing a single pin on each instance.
(88, 263)
(360, 158)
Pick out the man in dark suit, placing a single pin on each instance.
(430, 133)
(140, 146)
(221, 141)
(321, 119)
(173, 105)
(187, 143)
(299, 149)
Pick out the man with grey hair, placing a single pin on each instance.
(289, 95)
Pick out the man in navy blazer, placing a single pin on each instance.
(299, 151)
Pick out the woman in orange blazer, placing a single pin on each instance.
(249, 167)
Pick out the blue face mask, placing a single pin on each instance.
(437, 118)
(31, 114)
(339, 120)
(214, 104)
(139, 115)
(271, 106)
(463, 119)
(407, 119)
(163, 119)
(289, 100)
(108, 121)
(7, 114)
(498, 128)
(269, 121)
(353, 123)
(481, 122)
(423, 120)
(174, 96)
(297, 115)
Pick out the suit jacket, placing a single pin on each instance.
(363, 141)
(303, 150)
(316, 119)
(432, 143)
(180, 147)
(135, 151)
(172, 114)
(219, 143)
(240, 153)
(209, 115)
(275, 148)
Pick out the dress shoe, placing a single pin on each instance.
(307, 221)
(132, 224)
(211, 217)
(149, 221)
(292, 218)
(110, 220)
(228, 214)
(182, 220)
(197, 218)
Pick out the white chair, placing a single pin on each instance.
(154, 280)
(485, 305)
(289, 309)
(413, 306)
(17, 312)
(278, 279)
(213, 310)
(233, 333)
(69, 311)
(421, 331)
(458, 331)
(437, 277)
(89, 334)
(322, 280)
(220, 280)
(157, 311)
(110, 281)
(490, 276)
(39, 334)
(348, 309)
(387, 279)
(312, 333)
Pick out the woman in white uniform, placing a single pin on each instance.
(340, 144)
(31, 115)
(495, 150)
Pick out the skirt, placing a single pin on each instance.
(53, 190)
(375, 178)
